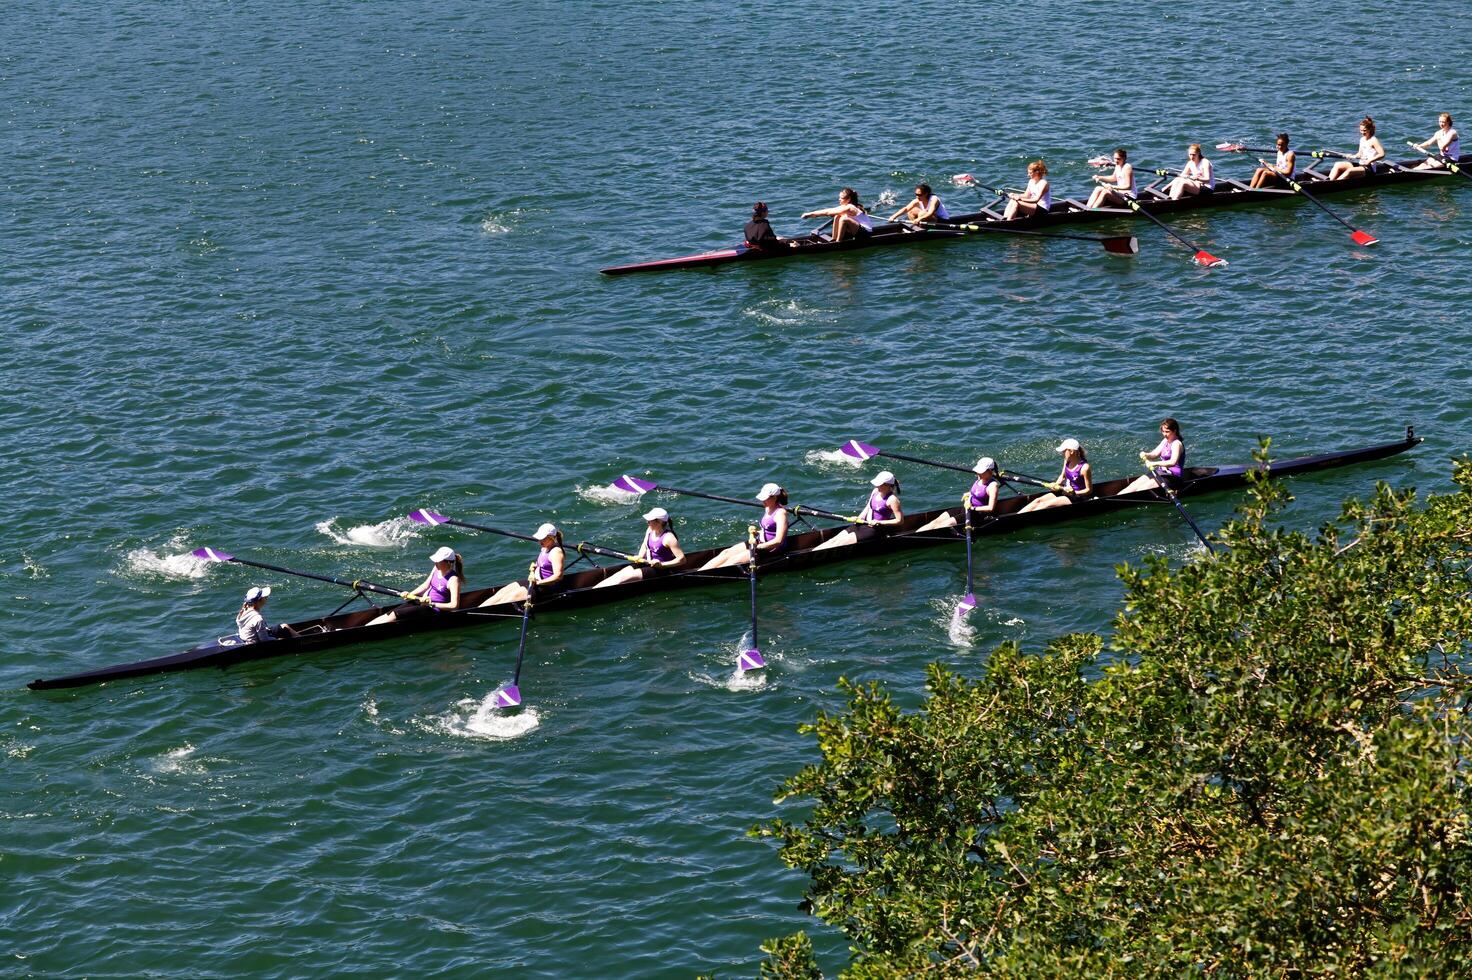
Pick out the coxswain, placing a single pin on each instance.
(1366, 160)
(925, 207)
(1075, 481)
(1118, 186)
(250, 623)
(1036, 198)
(1166, 462)
(1448, 144)
(1196, 176)
(546, 573)
(659, 549)
(759, 233)
(1282, 169)
(771, 538)
(850, 219)
(439, 592)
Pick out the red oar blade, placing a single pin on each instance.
(1363, 237)
(1206, 260)
(1121, 245)
(1230, 147)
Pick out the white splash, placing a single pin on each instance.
(607, 496)
(885, 199)
(172, 564)
(34, 568)
(494, 225)
(385, 534)
(178, 760)
(19, 751)
(370, 707)
(746, 680)
(485, 719)
(826, 456)
(787, 313)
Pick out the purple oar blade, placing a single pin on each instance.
(750, 660)
(860, 451)
(508, 697)
(427, 517)
(630, 484)
(210, 554)
(967, 604)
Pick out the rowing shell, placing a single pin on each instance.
(802, 552)
(1152, 199)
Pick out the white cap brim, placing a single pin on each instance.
(546, 531)
(443, 554)
(985, 465)
(1066, 445)
(883, 478)
(257, 592)
(657, 514)
(768, 491)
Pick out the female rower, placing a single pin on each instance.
(1036, 198)
(771, 536)
(547, 574)
(659, 549)
(1116, 188)
(441, 589)
(1366, 159)
(250, 624)
(1075, 481)
(850, 219)
(925, 207)
(980, 499)
(1282, 168)
(1448, 144)
(882, 509)
(1196, 176)
(1166, 462)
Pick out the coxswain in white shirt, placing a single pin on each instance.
(250, 622)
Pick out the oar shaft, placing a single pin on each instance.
(1181, 508)
(709, 496)
(526, 615)
(751, 549)
(1017, 231)
(357, 584)
(489, 530)
(925, 462)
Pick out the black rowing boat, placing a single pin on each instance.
(805, 550)
(1152, 199)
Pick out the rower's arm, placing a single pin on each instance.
(779, 537)
(674, 545)
(557, 557)
(454, 602)
(894, 505)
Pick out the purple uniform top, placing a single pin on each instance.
(439, 586)
(544, 564)
(1074, 477)
(879, 509)
(655, 546)
(1163, 452)
(982, 492)
(769, 526)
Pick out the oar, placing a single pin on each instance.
(968, 602)
(751, 657)
(434, 519)
(214, 554)
(510, 695)
(1116, 244)
(1202, 257)
(862, 451)
(1359, 237)
(1239, 148)
(1446, 162)
(638, 487)
(1175, 499)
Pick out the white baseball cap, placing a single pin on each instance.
(985, 465)
(444, 554)
(657, 514)
(257, 592)
(768, 490)
(884, 477)
(1068, 444)
(546, 531)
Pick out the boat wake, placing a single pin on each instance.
(484, 719)
(180, 565)
(385, 534)
(788, 313)
(607, 496)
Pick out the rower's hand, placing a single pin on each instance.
(408, 596)
(1144, 457)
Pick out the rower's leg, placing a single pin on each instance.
(387, 617)
(515, 592)
(1141, 483)
(944, 520)
(842, 539)
(1046, 502)
(734, 555)
(631, 573)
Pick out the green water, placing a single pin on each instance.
(276, 274)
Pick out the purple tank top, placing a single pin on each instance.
(439, 586)
(769, 526)
(879, 509)
(981, 493)
(1074, 476)
(658, 550)
(1163, 452)
(544, 564)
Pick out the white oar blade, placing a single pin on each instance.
(210, 554)
(508, 696)
(750, 660)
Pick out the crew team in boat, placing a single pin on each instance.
(546, 572)
(1117, 186)
(660, 548)
(1036, 196)
(250, 622)
(1448, 144)
(1075, 481)
(850, 217)
(1282, 169)
(439, 592)
(1367, 159)
(925, 206)
(1196, 176)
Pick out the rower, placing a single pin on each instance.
(1196, 176)
(980, 499)
(1367, 160)
(1448, 144)
(547, 573)
(1036, 198)
(659, 549)
(1118, 187)
(759, 233)
(1075, 481)
(882, 509)
(771, 531)
(1282, 170)
(925, 207)
(1166, 462)
(440, 589)
(250, 624)
(850, 218)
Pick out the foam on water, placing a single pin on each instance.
(828, 457)
(607, 496)
(173, 561)
(484, 719)
(788, 313)
(180, 760)
(385, 534)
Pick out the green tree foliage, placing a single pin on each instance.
(1262, 774)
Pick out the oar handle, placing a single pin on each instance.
(585, 547)
(1024, 478)
(799, 509)
(355, 584)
